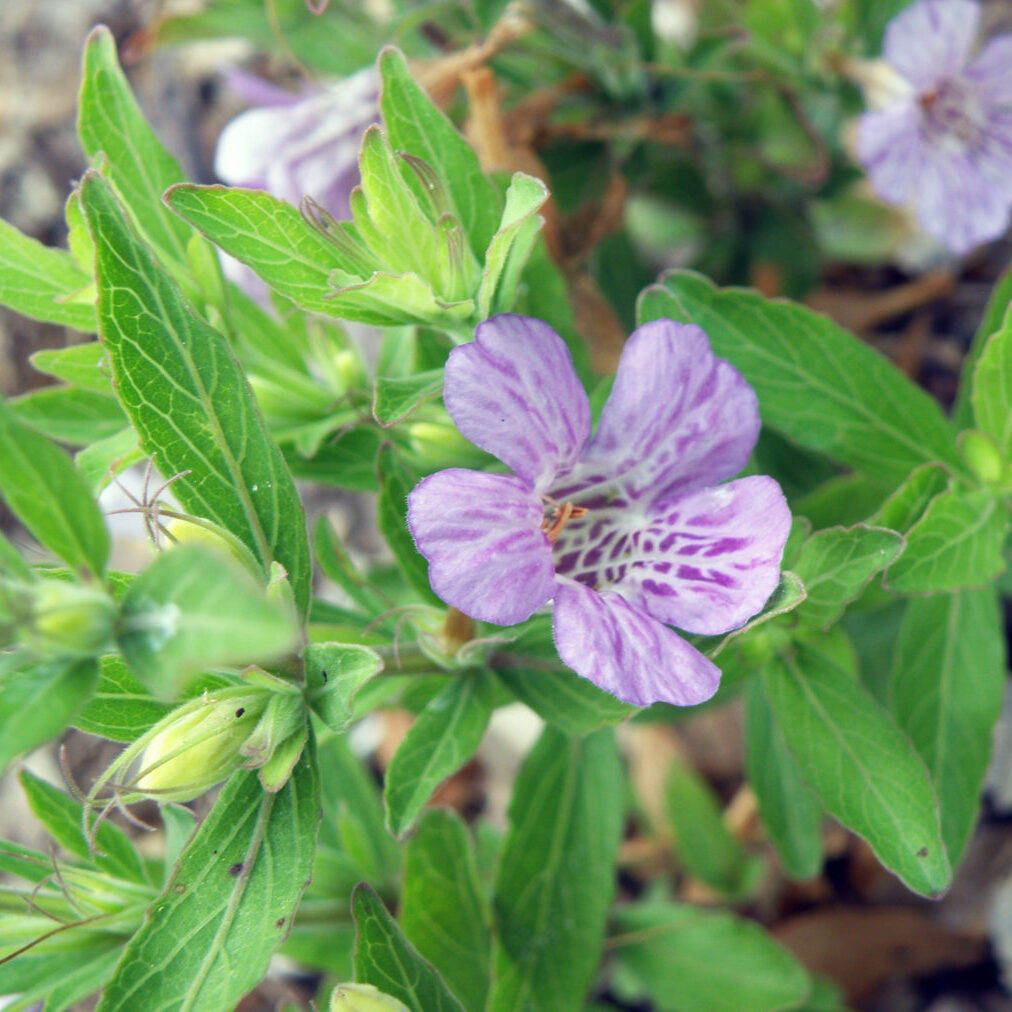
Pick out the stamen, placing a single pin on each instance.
(552, 525)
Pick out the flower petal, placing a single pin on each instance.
(677, 419)
(890, 147)
(958, 203)
(514, 392)
(991, 70)
(621, 650)
(708, 562)
(482, 536)
(931, 40)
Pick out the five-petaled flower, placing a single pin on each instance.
(628, 531)
(944, 141)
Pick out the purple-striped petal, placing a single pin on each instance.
(958, 202)
(931, 40)
(482, 536)
(991, 70)
(677, 419)
(621, 650)
(513, 392)
(890, 148)
(708, 562)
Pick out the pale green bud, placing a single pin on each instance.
(984, 458)
(199, 746)
(363, 998)
(69, 618)
(207, 534)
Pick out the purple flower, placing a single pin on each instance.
(297, 145)
(629, 531)
(944, 144)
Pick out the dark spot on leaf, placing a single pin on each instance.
(236, 869)
(240, 711)
(180, 888)
(279, 923)
(923, 852)
(323, 674)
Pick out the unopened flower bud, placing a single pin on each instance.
(198, 746)
(981, 454)
(207, 534)
(363, 998)
(440, 444)
(69, 618)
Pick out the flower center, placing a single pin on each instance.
(561, 514)
(952, 114)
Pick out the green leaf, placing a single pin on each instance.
(352, 814)
(836, 564)
(992, 388)
(687, 959)
(704, 843)
(418, 127)
(264, 232)
(510, 248)
(556, 873)
(136, 163)
(112, 852)
(956, 544)
(50, 497)
(387, 300)
(396, 481)
(790, 812)
(945, 691)
(79, 364)
(188, 400)
(39, 700)
(442, 738)
(120, 709)
(443, 912)
(193, 609)
(102, 461)
(997, 307)
(859, 763)
(789, 594)
(70, 414)
(39, 281)
(395, 399)
(63, 977)
(817, 384)
(531, 670)
(385, 959)
(337, 566)
(209, 936)
(907, 504)
(334, 674)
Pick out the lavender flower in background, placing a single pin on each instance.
(944, 141)
(628, 531)
(295, 145)
(302, 144)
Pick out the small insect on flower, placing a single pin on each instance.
(627, 532)
(942, 141)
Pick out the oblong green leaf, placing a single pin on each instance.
(945, 691)
(956, 544)
(790, 812)
(688, 959)
(859, 763)
(556, 874)
(443, 911)
(816, 383)
(385, 959)
(442, 738)
(49, 495)
(992, 388)
(111, 123)
(188, 400)
(39, 700)
(38, 281)
(209, 936)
